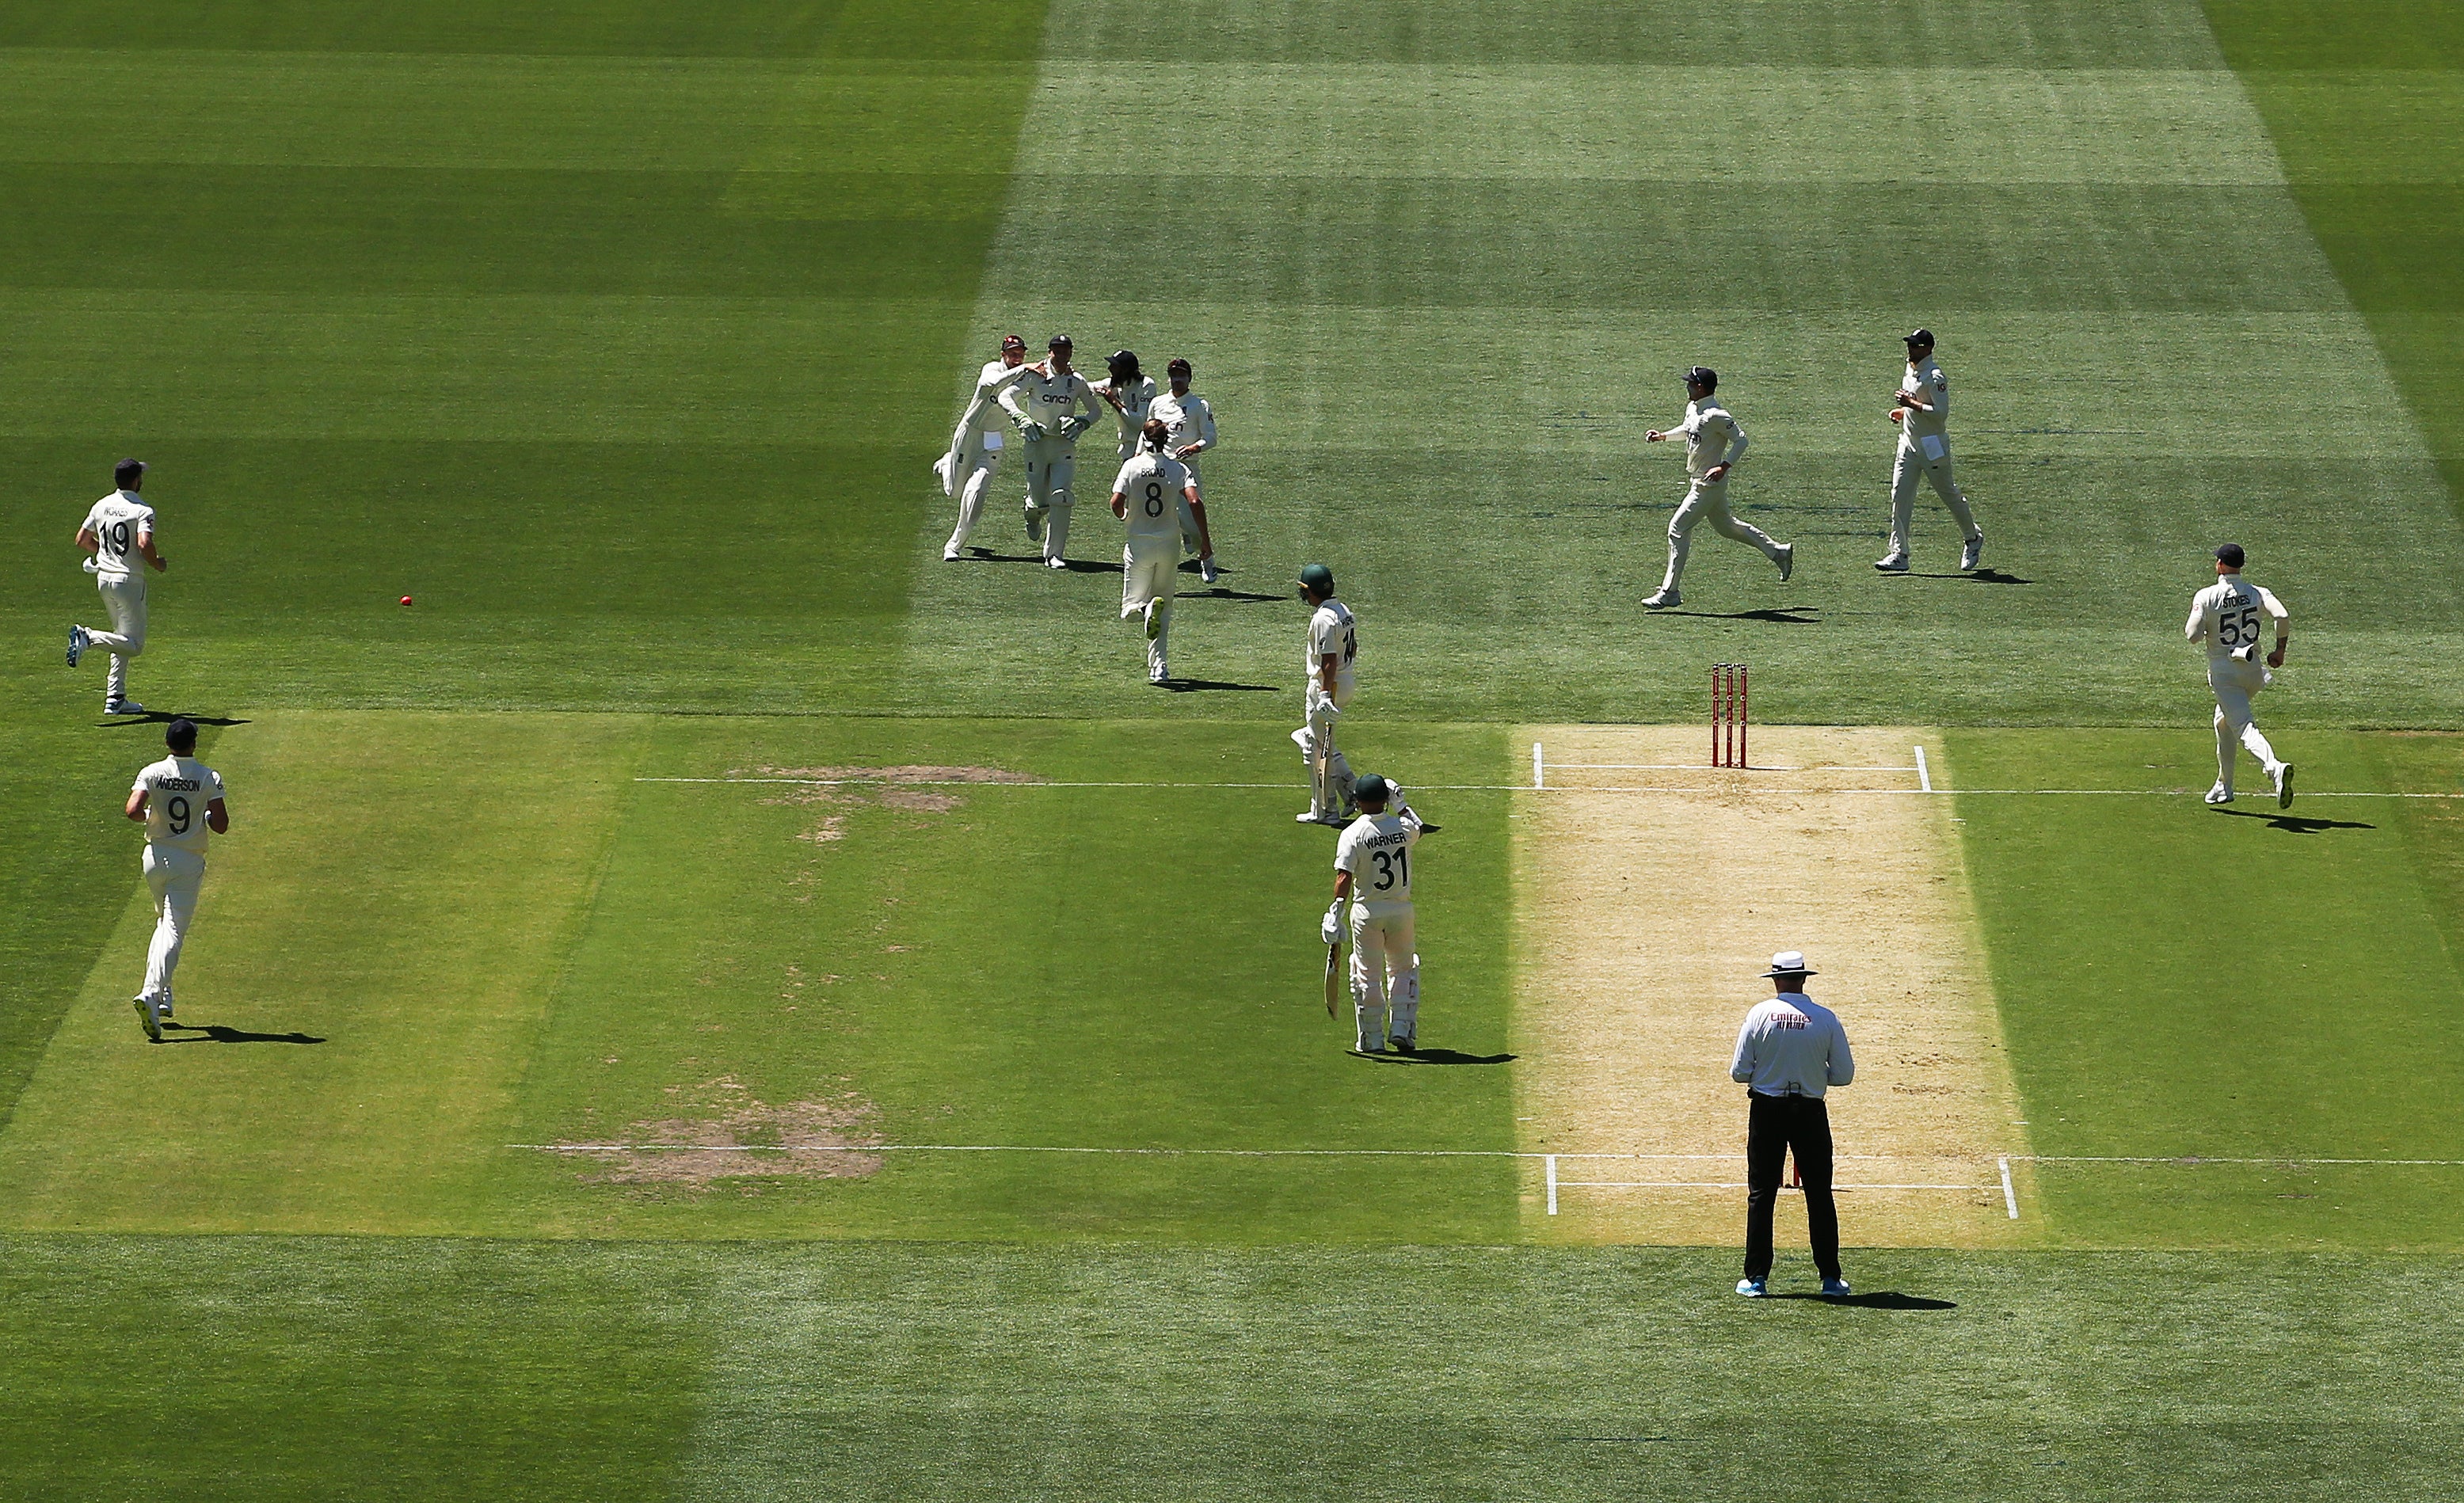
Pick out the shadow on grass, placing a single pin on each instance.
(1885, 1299)
(1437, 1056)
(976, 554)
(2299, 824)
(164, 717)
(217, 1033)
(1214, 686)
(1979, 575)
(1219, 592)
(1777, 615)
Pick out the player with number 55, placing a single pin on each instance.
(2229, 615)
(177, 799)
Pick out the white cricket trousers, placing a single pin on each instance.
(1707, 501)
(1146, 573)
(1188, 517)
(1906, 470)
(1330, 786)
(1051, 469)
(2233, 683)
(124, 597)
(976, 465)
(1385, 973)
(173, 876)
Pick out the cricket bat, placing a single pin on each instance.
(1333, 975)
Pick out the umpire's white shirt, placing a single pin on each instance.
(1793, 1045)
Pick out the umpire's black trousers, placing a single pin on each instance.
(1777, 1126)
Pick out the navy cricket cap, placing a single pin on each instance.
(1319, 578)
(1059, 341)
(1371, 788)
(181, 735)
(1924, 336)
(1705, 377)
(1176, 366)
(2228, 555)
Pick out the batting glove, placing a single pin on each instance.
(1330, 927)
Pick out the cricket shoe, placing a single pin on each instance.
(1034, 527)
(79, 641)
(1661, 599)
(1056, 563)
(1158, 676)
(2220, 795)
(1403, 1044)
(1753, 1288)
(1787, 561)
(1154, 621)
(146, 1015)
(1207, 571)
(949, 555)
(123, 706)
(1836, 1288)
(1972, 554)
(2283, 785)
(1897, 563)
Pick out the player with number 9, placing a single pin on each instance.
(1148, 495)
(177, 799)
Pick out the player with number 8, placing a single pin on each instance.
(1148, 495)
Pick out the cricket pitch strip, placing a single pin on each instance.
(1651, 890)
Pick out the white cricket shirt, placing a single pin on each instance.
(983, 414)
(1331, 631)
(1137, 402)
(178, 788)
(2226, 616)
(1189, 417)
(1916, 425)
(117, 521)
(1151, 484)
(1376, 850)
(1713, 437)
(1793, 1045)
(1041, 396)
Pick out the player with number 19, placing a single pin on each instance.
(1148, 495)
(177, 799)
(119, 532)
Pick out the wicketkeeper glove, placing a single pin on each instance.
(1071, 427)
(1032, 432)
(1329, 928)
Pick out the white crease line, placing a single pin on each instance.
(1553, 1183)
(1517, 788)
(1924, 774)
(1697, 767)
(2179, 1161)
(2010, 1196)
(1741, 1185)
(1539, 769)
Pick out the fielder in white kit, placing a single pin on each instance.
(1052, 404)
(118, 529)
(1147, 495)
(1714, 443)
(1922, 409)
(1131, 393)
(2228, 617)
(975, 453)
(1191, 418)
(1372, 870)
(177, 799)
(1333, 646)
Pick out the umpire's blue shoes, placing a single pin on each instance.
(1753, 1288)
(1836, 1288)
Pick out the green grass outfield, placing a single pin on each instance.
(621, 336)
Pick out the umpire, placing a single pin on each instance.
(1790, 1050)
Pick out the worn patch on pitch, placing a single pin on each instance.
(1652, 889)
(916, 789)
(724, 1133)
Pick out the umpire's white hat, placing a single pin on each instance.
(1789, 963)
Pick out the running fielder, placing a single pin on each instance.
(1192, 421)
(1714, 443)
(2226, 616)
(1922, 412)
(1147, 495)
(1334, 643)
(118, 528)
(1373, 871)
(177, 799)
(975, 453)
(1052, 404)
(1131, 393)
